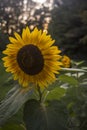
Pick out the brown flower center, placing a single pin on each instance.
(30, 59)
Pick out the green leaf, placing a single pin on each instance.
(56, 93)
(78, 63)
(12, 126)
(38, 116)
(73, 70)
(68, 79)
(54, 85)
(85, 68)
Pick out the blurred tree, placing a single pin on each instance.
(69, 26)
(16, 14)
(10, 12)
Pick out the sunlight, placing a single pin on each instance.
(39, 1)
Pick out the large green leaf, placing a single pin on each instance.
(12, 126)
(68, 79)
(37, 116)
(56, 93)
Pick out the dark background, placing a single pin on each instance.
(65, 20)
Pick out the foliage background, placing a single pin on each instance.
(66, 21)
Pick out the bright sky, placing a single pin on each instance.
(39, 1)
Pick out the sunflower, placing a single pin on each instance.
(32, 58)
(66, 61)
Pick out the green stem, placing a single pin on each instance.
(45, 96)
(40, 94)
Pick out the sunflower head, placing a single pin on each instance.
(66, 61)
(32, 58)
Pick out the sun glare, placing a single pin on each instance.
(39, 1)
